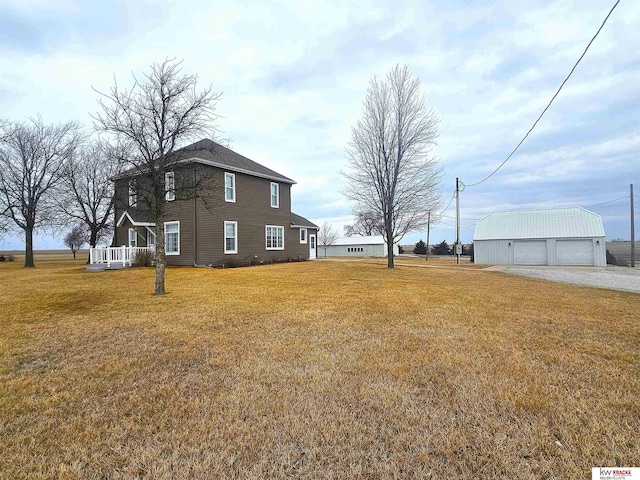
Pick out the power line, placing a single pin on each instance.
(445, 208)
(550, 102)
(461, 218)
(453, 226)
(610, 201)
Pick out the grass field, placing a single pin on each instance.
(313, 370)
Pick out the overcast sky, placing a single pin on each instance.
(294, 74)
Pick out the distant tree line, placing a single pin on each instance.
(441, 248)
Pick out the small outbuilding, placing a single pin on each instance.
(373, 246)
(560, 236)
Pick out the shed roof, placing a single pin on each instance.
(575, 222)
(300, 221)
(372, 240)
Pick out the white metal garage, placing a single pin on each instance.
(561, 236)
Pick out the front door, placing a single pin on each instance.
(312, 246)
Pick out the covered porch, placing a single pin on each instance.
(113, 258)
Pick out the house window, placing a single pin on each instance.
(170, 186)
(151, 239)
(133, 194)
(172, 238)
(303, 235)
(133, 239)
(275, 195)
(275, 237)
(230, 237)
(230, 187)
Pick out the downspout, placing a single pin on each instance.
(195, 218)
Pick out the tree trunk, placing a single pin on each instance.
(28, 252)
(93, 239)
(390, 260)
(74, 254)
(160, 257)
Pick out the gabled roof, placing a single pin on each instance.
(552, 223)
(137, 218)
(208, 152)
(372, 240)
(300, 221)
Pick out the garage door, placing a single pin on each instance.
(574, 252)
(532, 252)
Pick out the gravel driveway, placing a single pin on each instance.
(614, 278)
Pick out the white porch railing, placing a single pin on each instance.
(124, 255)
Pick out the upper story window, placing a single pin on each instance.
(230, 187)
(275, 195)
(303, 235)
(133, 193)
(172, 238)
(170, 186)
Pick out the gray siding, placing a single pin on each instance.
(182, 211)
(252, 210)
(492, 252)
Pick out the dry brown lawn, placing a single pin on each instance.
(313, 370)
(434, 261)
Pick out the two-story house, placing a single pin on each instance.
(242, 216)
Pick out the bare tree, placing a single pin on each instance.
(32, 159)
(154, 117)
(392, 170)
(327, 235)
(75, 239)
(366, 224)
(86, 193)
(4, 226)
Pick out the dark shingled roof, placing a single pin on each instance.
(209, 152)
(299, 221)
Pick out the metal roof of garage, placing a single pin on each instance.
(575, 222)
(372, 240)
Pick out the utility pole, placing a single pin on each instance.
(457, 245)
(428, 231)
(633, 229)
